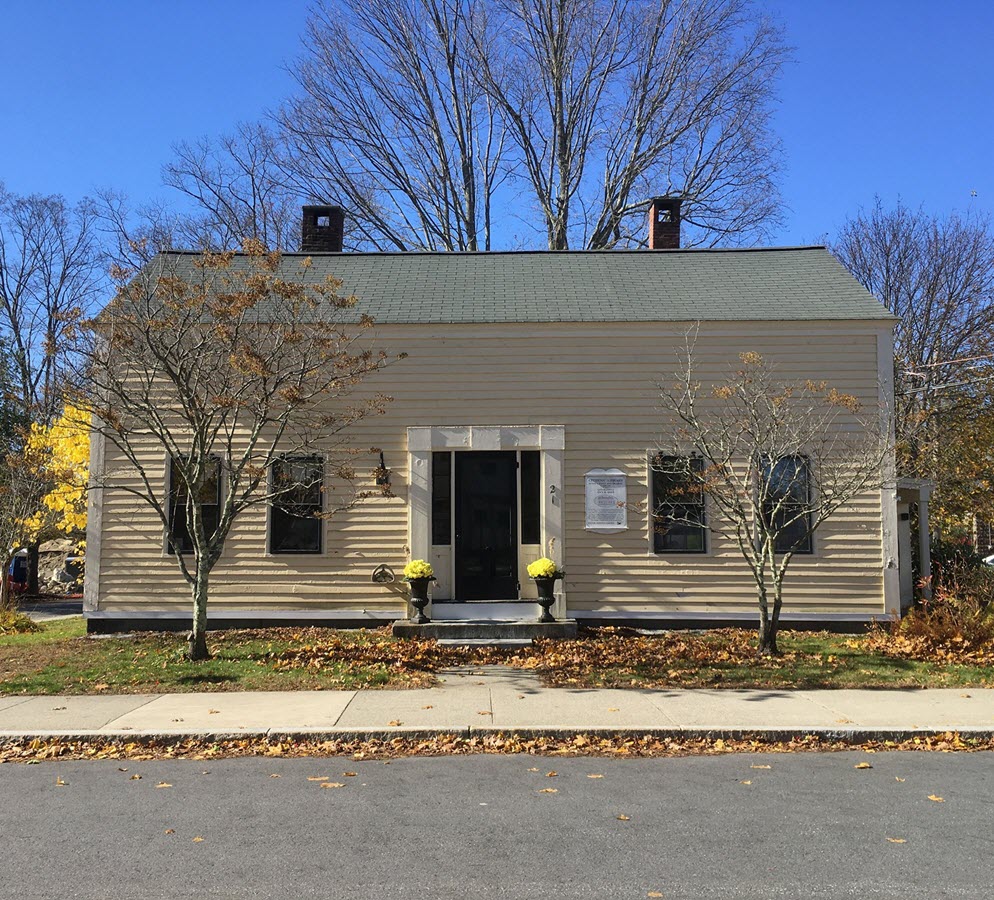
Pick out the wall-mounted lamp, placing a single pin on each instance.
(382, 473)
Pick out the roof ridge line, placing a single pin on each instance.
(456, 253)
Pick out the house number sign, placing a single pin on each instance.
(606, 500)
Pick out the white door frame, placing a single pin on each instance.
(549, 439)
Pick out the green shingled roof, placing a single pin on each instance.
(794, 283)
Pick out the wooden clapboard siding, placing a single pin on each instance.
(596, 379)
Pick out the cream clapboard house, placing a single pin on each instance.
(523, 423)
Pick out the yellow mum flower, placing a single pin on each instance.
(543, 568)
(418, 568)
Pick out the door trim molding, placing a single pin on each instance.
(550, 439)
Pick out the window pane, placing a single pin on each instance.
(295, 530)
(295, 523)
(210, 501)
(531, 497)
(786, 503)
(441, 498)
(678, 520)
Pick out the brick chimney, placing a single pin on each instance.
(322, 229)
(664, 223)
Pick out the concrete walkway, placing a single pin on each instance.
(497, 699)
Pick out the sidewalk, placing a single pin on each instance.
(496, 699)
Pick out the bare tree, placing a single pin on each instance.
(133, 235)
(239, 189)
(49, 279)
(227, 363)
(936, 274)
(421, 116)
(776, 458)
(393, 124)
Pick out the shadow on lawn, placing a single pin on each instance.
(206, 679)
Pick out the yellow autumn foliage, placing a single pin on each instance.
(63, 449)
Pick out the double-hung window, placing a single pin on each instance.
(786, 500)
(209, 501)
(679, 523)
(295, 518)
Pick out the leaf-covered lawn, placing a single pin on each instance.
(61, 659)
(726, 658)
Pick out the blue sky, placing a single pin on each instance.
(888, 97)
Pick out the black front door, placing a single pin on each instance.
(486, 526)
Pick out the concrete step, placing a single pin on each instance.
(486, 629)
(512, 643)
(503, 610)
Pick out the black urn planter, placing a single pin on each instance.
(419, 599)
(546, 596)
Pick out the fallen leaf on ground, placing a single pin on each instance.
(429, 706)
(170, 831)
(623, 818)
(121, 769)
(59, 782)
(318, 778)
(896, 778)
(484, 712)
(135, 777)
(595, 776)
(274, 775)
(552, 774)
(533, 769)
(163, 784)
(198, 840)
(654, 894)
(897, 840)
(549, 791)
(745, 782)
(396, 722)
(350, 774)
(862, 765)
(57, 708)
(213, 712)
(935, 799)
(612, 709)
(101, 687)
(760, 767)
(332, 784)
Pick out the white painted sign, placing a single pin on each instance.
(607, 500)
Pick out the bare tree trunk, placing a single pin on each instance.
(6, 595)
(198, 637)
(768, 625)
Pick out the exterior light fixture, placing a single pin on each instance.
(382, 473)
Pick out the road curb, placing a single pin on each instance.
(352, 734)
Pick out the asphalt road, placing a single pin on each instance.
(810, 826)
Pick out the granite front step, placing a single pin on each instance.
(486, 629)
(510, 643)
